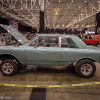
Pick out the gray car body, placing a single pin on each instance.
(38, 55)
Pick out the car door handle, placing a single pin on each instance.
(57, 52)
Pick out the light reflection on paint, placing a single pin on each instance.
(66, 49)
(8, 30)
(19, 40)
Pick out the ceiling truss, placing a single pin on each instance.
(25, 11)
(58, 13)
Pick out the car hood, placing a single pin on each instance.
(22, 39)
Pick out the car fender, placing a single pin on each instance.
(12, 56)
(75, 63)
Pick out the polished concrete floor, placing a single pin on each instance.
(50, 76)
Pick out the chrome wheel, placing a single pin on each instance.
(7, 68)
(86, 69)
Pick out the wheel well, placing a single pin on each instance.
(85, 58)
(8, 56)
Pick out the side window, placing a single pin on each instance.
(67, 43)
(43, 40)
(64, 43)
(54, 42)
(48, 41)
(69, 40)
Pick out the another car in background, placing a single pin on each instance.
(97, 36)
(91, 41)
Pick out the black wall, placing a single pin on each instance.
(24, 28)
(5, 22)
(97, 23)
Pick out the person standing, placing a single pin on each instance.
(7, 39)
(28, 36)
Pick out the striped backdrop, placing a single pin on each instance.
(13, 23)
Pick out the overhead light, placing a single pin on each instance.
(59, 0)
(84, 1)
(66, 11)
(72, 1)
(64, 14)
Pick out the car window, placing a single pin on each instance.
(46, 41)
(35, 42)
(67, 43)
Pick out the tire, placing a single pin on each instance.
(85, 68)
(8, 67)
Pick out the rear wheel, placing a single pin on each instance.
(85, 68)
(8, 67)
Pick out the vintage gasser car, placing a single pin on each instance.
(48, 49)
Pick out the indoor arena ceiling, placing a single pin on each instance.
(58, 13)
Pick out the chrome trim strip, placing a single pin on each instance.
(43, 53)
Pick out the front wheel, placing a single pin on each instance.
(8, 67)
(85, 68)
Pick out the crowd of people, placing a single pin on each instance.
(9, 38)
(86, 36)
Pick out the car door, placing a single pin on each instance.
(69, 51)
(39, 54)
